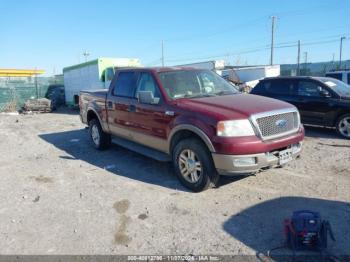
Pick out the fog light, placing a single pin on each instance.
(244, 161)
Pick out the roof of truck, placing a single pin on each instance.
(161, 69)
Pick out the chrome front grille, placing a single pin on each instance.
(277, 124)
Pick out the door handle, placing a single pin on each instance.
(132, 108)
(110, 104)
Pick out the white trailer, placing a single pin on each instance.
(209, 65)
(250, 75)
(95, 74)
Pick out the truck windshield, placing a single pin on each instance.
(195, 83)
(338, 86)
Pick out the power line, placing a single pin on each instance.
(264, 48)
(227, 29)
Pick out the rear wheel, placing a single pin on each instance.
(100, 139)
(343, 126)
(194, 166)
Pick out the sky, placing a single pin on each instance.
(53, 34)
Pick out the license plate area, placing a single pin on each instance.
(285, 156)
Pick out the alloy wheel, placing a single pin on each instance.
(344, 127)
(190, 166)
(95, 135)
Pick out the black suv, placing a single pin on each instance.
(322, 101)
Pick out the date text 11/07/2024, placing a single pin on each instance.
(173, 258)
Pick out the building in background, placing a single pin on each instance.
(95, 74)
(312, 69)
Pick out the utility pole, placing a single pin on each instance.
(86, 54)
(305, 62)
(341, 50)
(162, 53)
(272, 38)
(298, 67)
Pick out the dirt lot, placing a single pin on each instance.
(60, 196)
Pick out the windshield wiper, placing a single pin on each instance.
(225, 92)
(199, 95)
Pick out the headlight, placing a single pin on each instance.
(234, 128)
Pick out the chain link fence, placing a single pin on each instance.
(15, 92)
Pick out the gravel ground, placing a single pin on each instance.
(60, 196)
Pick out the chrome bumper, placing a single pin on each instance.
(234, 164)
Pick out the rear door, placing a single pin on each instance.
(282, 89)
(149, 121)
(312, 106)
(119, 103)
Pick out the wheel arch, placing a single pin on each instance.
(92, 114)
(185, 131)
(339, 115)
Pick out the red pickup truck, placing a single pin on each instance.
(195, 119)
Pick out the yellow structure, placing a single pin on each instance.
(20, 72)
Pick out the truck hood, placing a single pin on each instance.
(239, 106)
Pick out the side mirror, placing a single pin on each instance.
(324, 93)
(146, 97)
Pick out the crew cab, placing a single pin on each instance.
(195, 119)
(322, 101)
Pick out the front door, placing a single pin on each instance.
(312, 105)
(150, 121)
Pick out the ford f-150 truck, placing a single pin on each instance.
(195, 119)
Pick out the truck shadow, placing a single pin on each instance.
(116, 160)
(64, 110)
(260, 227)
(120, 161)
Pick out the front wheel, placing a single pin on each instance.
(100, 139)
(194, 166)
(343, 126)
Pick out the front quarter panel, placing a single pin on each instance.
(203, 127)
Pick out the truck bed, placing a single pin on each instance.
(97, 97)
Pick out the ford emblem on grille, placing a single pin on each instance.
(282, 123)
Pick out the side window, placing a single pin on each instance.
(125, 84)
(280, 87)
(308, 88)
(348, 78)
(147, 83)
(259, 88)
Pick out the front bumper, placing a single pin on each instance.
(237, 164)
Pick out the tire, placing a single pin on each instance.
(343, 126)
(99, 139)
(202, 173)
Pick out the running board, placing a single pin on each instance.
(143, 150)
